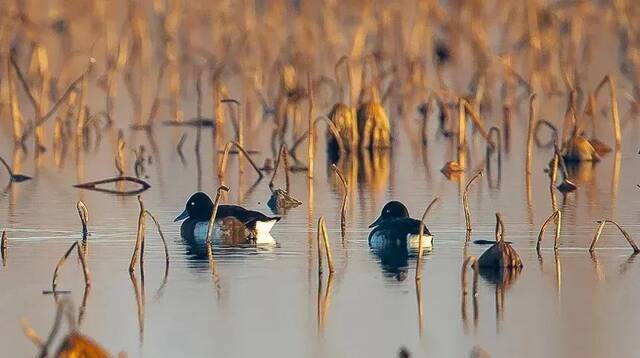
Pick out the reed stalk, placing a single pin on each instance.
(83, 213)
(4, 245)
(462, 134)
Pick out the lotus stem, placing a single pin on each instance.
(212, 219)
(322, 226)
(164, 241)
(59, 266)
(311, 146)
(461, 134)
(282, 155)
(624, 233)
(83, 212)
(557, 216)
(222, 164)
(421, 240)
(465, 201)
(532, 119)
(138, 251)
(615, 116)
(343, 208)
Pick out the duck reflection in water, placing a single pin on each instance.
(234, 226)
(395, 239)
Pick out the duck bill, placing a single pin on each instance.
(182, 216)
(376, 223)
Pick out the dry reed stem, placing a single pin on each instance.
(319, 245)
(139, 247)
(222, 164)
(311, 145)
(615, 116)
(465, 203)
(4, 244)
(622, 231)
(420, 239)
(164, 241)
(322, 226)
(282, 155)
(532, 118)
(85, 266)
(16, 114)
(343, 207)
(557, 217)
(499, 228)
(212, 219)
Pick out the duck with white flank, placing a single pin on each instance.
(234, 225)
(394, 227)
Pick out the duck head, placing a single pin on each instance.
(392, 210)
(199, 207)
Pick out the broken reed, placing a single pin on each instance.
(421, 239)
(557, 217)
(138, 251)
(624, 233)
(343, 207)
(322, 230)
(212, 219)
(465, 201)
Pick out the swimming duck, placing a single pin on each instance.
(394, 226)
(233, 225)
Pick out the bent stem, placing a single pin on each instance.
(557, 217)
(343, 210)
(59, 265)
(222, 164)
(615, 116)
(83, 212)
(138, 250)
(622, 231)
(212, 219)
(322, 227)
(421, 240)
(164, 241)
(465, 201)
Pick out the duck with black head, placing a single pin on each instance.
(394, 227)
(234, 225)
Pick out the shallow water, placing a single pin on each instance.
(265, 301)
(270, 301)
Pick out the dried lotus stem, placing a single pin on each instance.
(532, 119)
(212, 219)
(622, 231)
(465, 202)
(139, 239)
(83, 212)
(557, 217)
(322, 226)
(222, 164)
(343, 210)
(311, 146)
(615, 116)
(420, 239)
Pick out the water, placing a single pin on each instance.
(272, 302)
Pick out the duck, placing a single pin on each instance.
(394, 227)
(234, 225)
